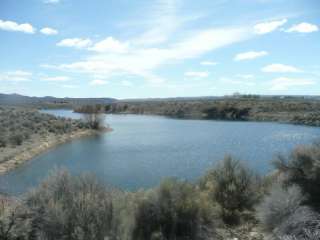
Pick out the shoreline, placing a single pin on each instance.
(259, 119)
(27, 155)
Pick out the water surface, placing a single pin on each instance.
(144, 149)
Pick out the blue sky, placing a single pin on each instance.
(159, 48)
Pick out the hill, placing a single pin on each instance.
(50, 102)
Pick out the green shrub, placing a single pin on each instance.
(302, 168)
(172, 212)
(234, 187)
(73, 208)
(3, 141)
(16, 139)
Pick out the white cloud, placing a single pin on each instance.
(142, 61)
(51, 1)
(284, 83)
(208, 40)
(197, 74)
(16, 27)
(160, 22)
(158, 37)
(303, 28)
(126, 83)
(16, 76)
(280, 68)
(49, 31)
(208, 63)
(56, 79)
(98, 82)
(110, 45)
(75, 42)
(249, 55)
(267, 27)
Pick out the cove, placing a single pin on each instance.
(142, 150)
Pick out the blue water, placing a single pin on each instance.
(141, 150)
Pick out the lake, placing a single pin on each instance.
(141, 150)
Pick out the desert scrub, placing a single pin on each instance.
(170, 212)
(15, 220)
(18, 125)
(302, 167)
(278, 206)
(71, 207)
(234, 187)
(302, 224)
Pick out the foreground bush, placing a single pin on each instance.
(68, 207)
(302, 224)
(278, 206)
(171, 212)
(302, 168)
(15, 220)
(234, 187)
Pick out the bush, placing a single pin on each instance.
(172, 212)
(15, 221)
(68, 207)
(302, 168)
(234, 187)
(18, 124)
(227, 112)
(16, 139)
(3, 142)
(302, 224)
(278, 206)
(93, 115)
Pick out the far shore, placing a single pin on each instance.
(34, 149)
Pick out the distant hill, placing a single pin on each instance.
(48, 101)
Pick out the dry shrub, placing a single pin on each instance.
(278, 206)
(71, 207)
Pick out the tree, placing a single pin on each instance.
(94, 116)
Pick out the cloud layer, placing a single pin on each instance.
(303, 28)
(16, 27)
(75, 42)
(280, 68)
(250, 55)
(267, 27)
(49, 31)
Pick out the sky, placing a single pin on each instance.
(159, 48)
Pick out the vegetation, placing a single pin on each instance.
(170, 212)
(291, 209)
(234, 187)
(25, 133)
(68, 207)
(19, 125)
(295, 110)
(49, 102)
(302, 168)
(93, 115)
(278, 206)
(229, 198)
